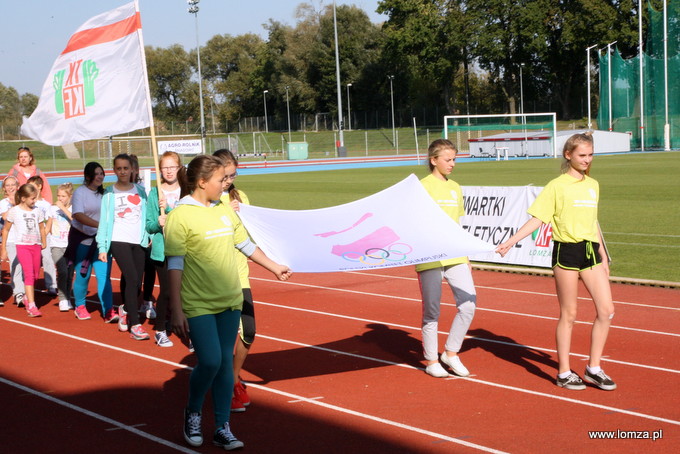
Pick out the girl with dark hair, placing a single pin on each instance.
(29, 222)
(122, 232)
(569, 203)
(173, 188)
(201, 238)
(82, 247)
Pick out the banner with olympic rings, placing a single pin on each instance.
(398, 226)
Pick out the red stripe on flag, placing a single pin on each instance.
(105, 34)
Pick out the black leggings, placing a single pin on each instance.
(163, 297)
(130, 259)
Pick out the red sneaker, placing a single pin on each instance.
(82, 313)
(236, 405)
(241, 394)
(138, 333)
(33, 311)
(111, 316)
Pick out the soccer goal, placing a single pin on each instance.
(504, 135)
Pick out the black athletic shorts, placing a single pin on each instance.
(576, 256)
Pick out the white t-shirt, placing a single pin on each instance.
(44, 206)
(61, 224)
(89, 203)
(171, 198)
(26, 224)
(5, 205)
(127, 216)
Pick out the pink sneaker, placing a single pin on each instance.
(122, 319)
(33, 311)
(111, 316)
(82, 313)
(138, 333)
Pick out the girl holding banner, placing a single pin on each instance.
(201, 238)
(457, 271)
(569, 203)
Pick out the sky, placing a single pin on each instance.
(34, 32)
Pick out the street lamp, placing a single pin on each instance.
(590, 124)
(193, 9)
(266, 125)
(288, 111)
(394, 135)
(349, 111)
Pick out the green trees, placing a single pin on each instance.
(446, 56)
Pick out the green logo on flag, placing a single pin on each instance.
(76, 92)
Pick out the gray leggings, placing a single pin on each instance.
(459, 279)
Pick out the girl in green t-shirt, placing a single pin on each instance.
(569, 203)
(201, 238)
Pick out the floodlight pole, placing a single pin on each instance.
(193, 9)
(264, 97)
(341, 136)
(212, 112)
(349, 111)
(288, 111)
(642, 79)
(590, 123)
(394, 136)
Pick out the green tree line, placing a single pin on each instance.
(433, 57)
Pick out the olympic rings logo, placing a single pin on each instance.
(378, 256)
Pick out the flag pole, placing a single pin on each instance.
(152, 128)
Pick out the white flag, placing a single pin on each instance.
(398, 226)
(96, 87)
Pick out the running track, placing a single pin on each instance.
(336, 368)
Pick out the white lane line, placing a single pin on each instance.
(263, 388)
(117, 425)
(352, 412)
(483, 382)
(417, 329)
(483, 309)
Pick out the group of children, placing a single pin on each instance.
(190, 234)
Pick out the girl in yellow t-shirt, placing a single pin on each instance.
(235, 197)
(201, 238)
(569, 203)
(449, 196)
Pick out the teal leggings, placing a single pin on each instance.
(213, 337)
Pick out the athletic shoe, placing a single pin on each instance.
(147, 309)
(19, 299)
(82, 313)
(122, 318)
(236, 405)
(138, 333)
(241, 394)
(33, 311)
(65, 305)
(111, 316)
(573, 381)
(436, 370)
(162, 339)
(600, 379)
(225, 439)
(192, 428)
(2, 303)
(455, 364)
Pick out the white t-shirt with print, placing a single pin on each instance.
(127, 216)
(5, 206)
(26, 224)
(61, 224)
(171, 198)
(89, 203)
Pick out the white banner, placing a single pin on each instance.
(495, 213)
(191, 147)
(398, 226)
(96, 87)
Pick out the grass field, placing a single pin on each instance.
(639, 207)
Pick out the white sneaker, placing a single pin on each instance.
(436, 370)
(162, 339)
(455, 364)
(65, 305)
